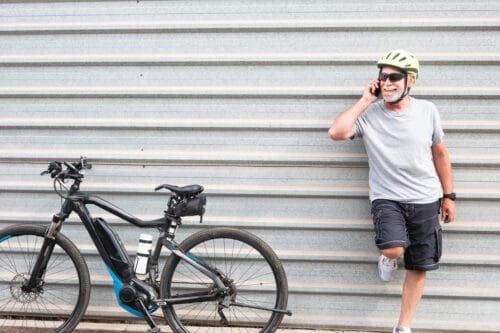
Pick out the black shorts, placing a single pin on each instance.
(415, 227)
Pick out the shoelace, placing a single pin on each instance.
(389, 262)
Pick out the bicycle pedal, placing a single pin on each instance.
(147, 317)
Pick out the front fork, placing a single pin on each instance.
(35, 282)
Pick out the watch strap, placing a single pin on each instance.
(451, 196)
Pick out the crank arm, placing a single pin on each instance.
(243, 305)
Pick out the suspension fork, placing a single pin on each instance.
(49, 242)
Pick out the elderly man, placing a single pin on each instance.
(410, 176)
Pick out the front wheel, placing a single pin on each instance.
(249, 268)
(58, 303)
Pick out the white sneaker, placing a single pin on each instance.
(401, 329)
(386, 268)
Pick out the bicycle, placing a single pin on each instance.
(219, 277)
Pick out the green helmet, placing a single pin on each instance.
(401, 59)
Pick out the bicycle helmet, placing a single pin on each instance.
(404, 61)
(401, 59)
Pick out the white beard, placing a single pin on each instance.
(393, 95)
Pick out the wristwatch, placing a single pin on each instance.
(451, 196)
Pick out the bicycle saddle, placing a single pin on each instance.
(185, 191)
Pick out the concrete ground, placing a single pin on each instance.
(141, 328)
(93, 327)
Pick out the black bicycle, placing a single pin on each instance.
(221, 278)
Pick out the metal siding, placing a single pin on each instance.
(238, 96)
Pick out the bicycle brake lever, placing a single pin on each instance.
(53, 169)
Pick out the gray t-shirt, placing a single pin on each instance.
(398, 145)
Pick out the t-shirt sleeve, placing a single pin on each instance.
(360, 124)
(358, 129)
(437, 134)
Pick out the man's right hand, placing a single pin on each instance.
(369, 92)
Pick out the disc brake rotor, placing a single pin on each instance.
(17, 292)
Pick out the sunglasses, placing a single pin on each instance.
(393, 77)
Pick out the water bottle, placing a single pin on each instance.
(142, 257)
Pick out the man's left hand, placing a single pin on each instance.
(448, 210)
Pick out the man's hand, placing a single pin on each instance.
(369, 92)
(448, 210)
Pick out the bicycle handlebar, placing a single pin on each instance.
(73, 170)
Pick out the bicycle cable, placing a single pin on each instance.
(62, 186)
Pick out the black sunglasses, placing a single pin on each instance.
(393, 77)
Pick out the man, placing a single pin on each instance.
(410, 176)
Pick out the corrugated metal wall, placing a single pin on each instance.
(238, 96)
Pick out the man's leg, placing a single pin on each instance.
(413, 288)
(391, 235)
(422, 255)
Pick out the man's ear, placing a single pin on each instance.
(411, 81)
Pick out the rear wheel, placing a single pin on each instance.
(249, 269)
(59, 302)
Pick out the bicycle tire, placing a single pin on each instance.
(54, 308)
(257, 276)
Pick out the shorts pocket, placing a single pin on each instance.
(377, 216)
(439, 243)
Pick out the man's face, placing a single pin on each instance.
(393, 89)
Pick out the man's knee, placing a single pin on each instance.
(393, 252)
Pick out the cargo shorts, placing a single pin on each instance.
(415, 227)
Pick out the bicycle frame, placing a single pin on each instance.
(76, 202)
